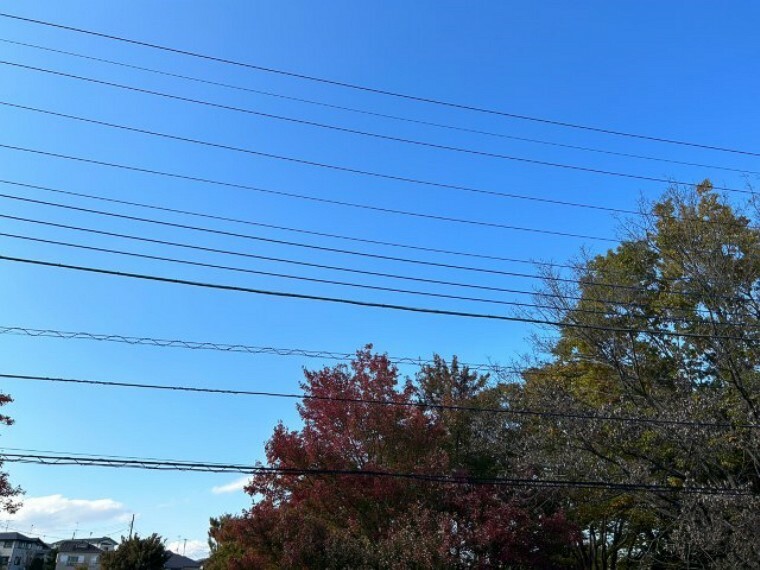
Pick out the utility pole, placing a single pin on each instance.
(184, 547)
(131, 526)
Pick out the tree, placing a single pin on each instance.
(137, 553)
(664, 327)
(362, 417)
(8, 493)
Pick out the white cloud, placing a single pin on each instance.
(233, 487)
(57, 517)
(195, 549)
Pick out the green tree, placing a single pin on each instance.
(665, 327)
(137, 553)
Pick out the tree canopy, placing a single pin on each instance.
(137, 553)
(649, 384)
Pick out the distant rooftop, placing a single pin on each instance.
(20, 537)
(78, 545)
(181, 562)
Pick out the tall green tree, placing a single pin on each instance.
(137, 553)
(664, 327)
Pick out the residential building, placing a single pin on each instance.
(105, 543)
(77, 553)
(18, 551)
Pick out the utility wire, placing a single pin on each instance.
(352, 170)
(308, 232)
(325, 165)
(378, 91)
(374, 402)
(409, 213)
(346, 130)
(215, 231)
(222, 347)
(286, 228)
(568, 310)
(275, 259)
(288, 276)
(358, 303)
(167, 465)
(332, 250)
(373, 113)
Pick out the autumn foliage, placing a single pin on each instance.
(649, 383)
(343, 521)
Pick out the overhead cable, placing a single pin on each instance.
(421, 476)
(534, 305)
(420, 215)
(248, 222)
(378, 91)
(369, 304)
(346, 130)
(366, 112)
(289, 276)
(384, 403)
(262, 154)
(483, 270)
(226, 347)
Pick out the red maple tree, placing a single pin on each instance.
(363, 418)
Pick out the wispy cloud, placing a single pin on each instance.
(233, 487)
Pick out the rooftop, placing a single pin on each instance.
(180, 562)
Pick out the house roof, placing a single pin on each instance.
(101, 540)
(178, 562)
(20, 537)
(79, 546)
(14, 536)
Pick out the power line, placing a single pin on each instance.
(374, 113)
(534, 305)
(167, 465)
(222, 347)
(307, 232)
(284, 228)
(328, 166)
(275, 241)
(269, 258)
(327, 249)
(288, 276)
(358, 303)
(373, 402)
(420, 215)
(336, 128)
(378, 91)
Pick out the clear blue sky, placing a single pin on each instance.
(682, 70)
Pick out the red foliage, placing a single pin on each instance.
(351, 521)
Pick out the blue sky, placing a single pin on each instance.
(681, 70)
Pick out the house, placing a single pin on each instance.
(18, 551)
(105, 543)
(77, 553)
(177, 562)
